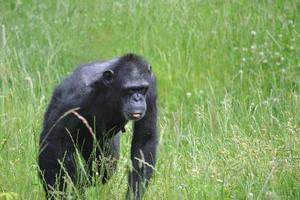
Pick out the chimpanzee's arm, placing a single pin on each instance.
(143, 151)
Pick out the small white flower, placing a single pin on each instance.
(253, 47)
(244, 49)
(253, 33)
(244, 59)
(188, 94)
(261, 53)
(292, 47)
(250, 195)
(219, 180)
(241, 71)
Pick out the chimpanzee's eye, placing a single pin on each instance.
(144, 90)
(141, 90)
(130, 91)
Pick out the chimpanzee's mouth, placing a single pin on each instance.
(134, 116)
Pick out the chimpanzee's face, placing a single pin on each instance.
(131, 84)
(134, 87)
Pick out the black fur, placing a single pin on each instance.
(87, 112)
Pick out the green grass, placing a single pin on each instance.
(229, 90)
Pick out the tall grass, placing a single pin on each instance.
(229, 90)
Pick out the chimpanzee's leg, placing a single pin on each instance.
(57, 164)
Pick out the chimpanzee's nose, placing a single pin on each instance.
(137, 98)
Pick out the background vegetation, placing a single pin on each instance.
(229, 86)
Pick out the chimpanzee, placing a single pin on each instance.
(88, 111)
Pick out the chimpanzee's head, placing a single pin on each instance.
(129, 81)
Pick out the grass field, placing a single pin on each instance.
(229, 90)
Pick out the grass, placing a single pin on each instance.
(229, 88)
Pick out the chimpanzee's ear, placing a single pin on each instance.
(149, 67)
(108, 76)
